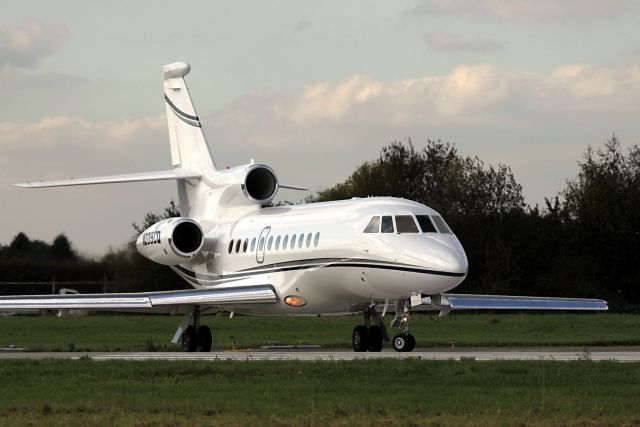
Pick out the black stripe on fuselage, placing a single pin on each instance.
(315, 263)
(187, 118)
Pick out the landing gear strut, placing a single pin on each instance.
(404, 341)
(369, 337)
(195, 337)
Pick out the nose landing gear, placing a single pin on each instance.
(404, 341)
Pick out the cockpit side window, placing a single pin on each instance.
(406, 224)
(442, 226)
(387, 224)
(425, 224)
(373, 226)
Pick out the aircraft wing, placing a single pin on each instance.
(505, 302)
(144, 301)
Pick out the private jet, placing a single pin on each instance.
(372, 256)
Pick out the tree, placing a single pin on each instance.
(151, 218)
(437, 176)
(61, 248)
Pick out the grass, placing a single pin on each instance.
(153, 333)
(374, 392)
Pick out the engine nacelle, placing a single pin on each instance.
(254, 183)
(260, 184)
(171, 241)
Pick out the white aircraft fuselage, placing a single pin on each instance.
(321, 253)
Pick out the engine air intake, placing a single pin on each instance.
(261, 184)
(187, 237)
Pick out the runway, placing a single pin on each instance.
(619, 354)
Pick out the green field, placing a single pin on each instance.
(153, 333)
(375, 392)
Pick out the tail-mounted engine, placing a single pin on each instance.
(171, 241)
(254, 183)
(260, 184)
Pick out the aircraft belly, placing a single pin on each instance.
(332, 289)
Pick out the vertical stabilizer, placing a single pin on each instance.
(189, 147)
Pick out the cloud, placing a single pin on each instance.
(78, 134)
(302, 25)
(468, 95)
(24, 45)
(537, 9)
(454, 42)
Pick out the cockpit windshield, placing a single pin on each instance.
(373, 226)
(425, 224)
(387, 224)
(442, 226)
(407, 224)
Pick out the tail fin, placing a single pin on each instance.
(189, 149)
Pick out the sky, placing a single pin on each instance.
(311, 88)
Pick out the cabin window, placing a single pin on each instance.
(425, 224)
(270, 244)
(406, 224)
(261, 245)
(373, 226)
(300, 241)
(245, 245)
(277, 243)
(387, 224)
(309, 236)
(238, 243)
(285, 241)
(442, 226)
(293, 241)
(231, 246)
(253, 244)
(316, 240)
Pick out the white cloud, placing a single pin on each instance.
(25, 45)
(468, 95)
(542, 9)
(67, 132)
(443, 41)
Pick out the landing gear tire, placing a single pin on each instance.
(404, 343)
(190, 339)
(375, 338)
(204, 339)
(360, 339)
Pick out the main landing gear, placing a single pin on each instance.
(370, 337)
(195, 337)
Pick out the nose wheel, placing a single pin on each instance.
(403, 343)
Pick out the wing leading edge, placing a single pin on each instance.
(146, 300)
(504, 302)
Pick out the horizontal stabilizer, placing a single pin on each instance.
(148, 300)
(113, 179)
(503, 302)
(292, 187)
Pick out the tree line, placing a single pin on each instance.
(583, 242)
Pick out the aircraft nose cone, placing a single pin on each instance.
(458, 262)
